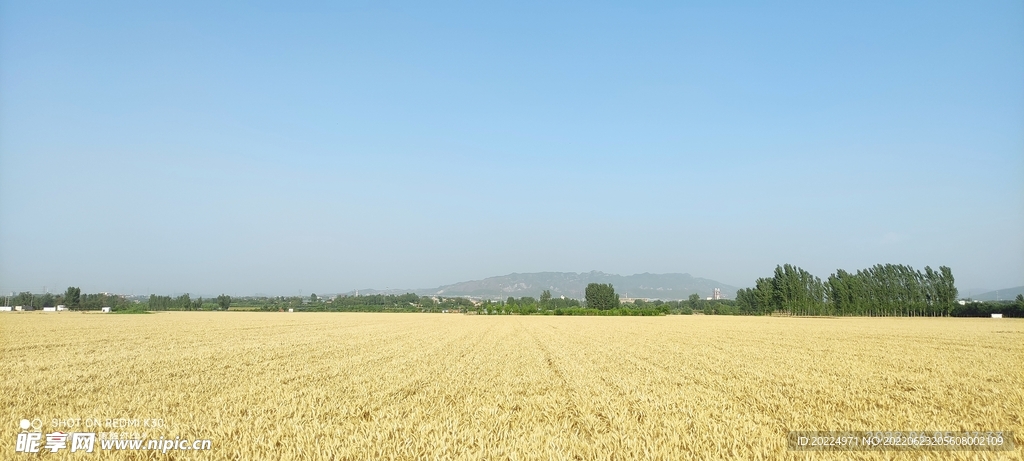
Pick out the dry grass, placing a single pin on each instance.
(419, 386)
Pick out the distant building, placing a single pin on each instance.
(627, 300)
(6, 308)
(105, 309)
(718, 294)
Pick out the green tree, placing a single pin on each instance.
(947, 292)
(73, 297)
(224, 301)
(694, 302)
(183, 302)
(601, 296)
(545, 297)
(23, 299)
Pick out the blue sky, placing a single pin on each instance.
(241, 148)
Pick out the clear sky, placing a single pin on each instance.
(210, 147)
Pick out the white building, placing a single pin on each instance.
(628, 300)
(105, 309)
(6, 308)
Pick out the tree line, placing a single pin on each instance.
(186, 303)
(603, 301)
(606, 302)
(882, 290)
(72, 298)
(971, 308)
(889, 290)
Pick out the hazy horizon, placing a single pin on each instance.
(965, 292)
(223, 149)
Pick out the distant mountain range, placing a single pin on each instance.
(996, 295)
(573, 285)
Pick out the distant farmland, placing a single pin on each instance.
(435, 386)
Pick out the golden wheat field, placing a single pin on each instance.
(437, 386)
